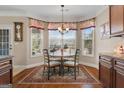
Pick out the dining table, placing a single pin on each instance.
(62, 56)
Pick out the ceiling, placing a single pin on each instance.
(52, 13)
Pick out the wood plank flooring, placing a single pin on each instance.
(18, 77)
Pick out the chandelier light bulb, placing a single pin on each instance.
(67, 29)
(59, 28)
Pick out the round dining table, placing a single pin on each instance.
(61, 56)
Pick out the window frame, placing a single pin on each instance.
(93, 45)
(41, 43)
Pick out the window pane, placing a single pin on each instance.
(88, 46)
(88, 33)
(55, 40)
(4, 42)
(70, 39)
(88, 41)
(36, 41)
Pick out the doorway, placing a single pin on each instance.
(5, 40)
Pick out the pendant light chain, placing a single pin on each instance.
(62, 17)
(61, 29)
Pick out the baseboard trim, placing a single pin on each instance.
(34, 65)
(95, 65)
(17, 69)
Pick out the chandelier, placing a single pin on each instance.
(61, 29)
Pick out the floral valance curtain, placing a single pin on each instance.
(87, 24)
(36, 23)
(55, 25)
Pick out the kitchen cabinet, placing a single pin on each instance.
(116, 20)
(111, 70)
(118, 74)
(5, 71)
(105, 71)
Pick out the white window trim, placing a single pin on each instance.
(41, 46)
(93, 45)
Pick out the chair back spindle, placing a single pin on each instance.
(46, 56)
(77, 54)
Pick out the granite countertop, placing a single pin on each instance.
(115, 55)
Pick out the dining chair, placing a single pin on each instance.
(71, 55)
(49, 63)
(74, 63)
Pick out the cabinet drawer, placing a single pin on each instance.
(105, 62)
(3, 63)
(109, 66)
(106, 58)
(5, 68)
(119, 63)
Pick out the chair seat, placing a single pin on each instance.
(53, 63)
(70, 63)
(55, 59)
(69, 59)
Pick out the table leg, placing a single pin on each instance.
(62, 67)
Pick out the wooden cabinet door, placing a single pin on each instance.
(105, 72)
(117, 19)
(5, 78)
(118, 74)
(119, 82)
(5, 71)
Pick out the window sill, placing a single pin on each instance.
(88, 55)
(34, 56)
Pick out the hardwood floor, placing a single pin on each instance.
(18, 77)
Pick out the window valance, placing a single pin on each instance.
(87, 24)
(55, 25)
(36, 23)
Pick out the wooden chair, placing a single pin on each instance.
(71, 55)
(74, 63)
(49, 63)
